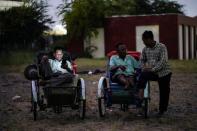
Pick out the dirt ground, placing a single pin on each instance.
(16, 115)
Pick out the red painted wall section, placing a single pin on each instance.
(118, 30)
(123, 29)
(76, 46)
(169, 35)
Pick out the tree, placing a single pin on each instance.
(119, 7)
(82, 17)
(142, 7)
(166, 6)
(20, 26)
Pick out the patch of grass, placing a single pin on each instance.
(16, 58)
(184, 66)
(91, 64)
(176, 65)
(12, 68)
(15, 61)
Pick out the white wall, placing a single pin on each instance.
(180, 42)
(186, 50)
(8, 4)
(140, 30)
(97, 41)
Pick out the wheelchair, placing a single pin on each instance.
(110, 93)
(71, 94)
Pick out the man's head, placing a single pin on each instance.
(58, 53)
(121, 49)
(148, 38)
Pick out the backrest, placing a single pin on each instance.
(40, 54)
(134, 54)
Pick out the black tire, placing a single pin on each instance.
(102, 98)
(146, 109)
(34, 100)
(101, 106)
(121, 107)
(124, 107)
(34, 109)
(81, 100)
(82, 109)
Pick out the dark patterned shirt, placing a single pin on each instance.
(157, 59)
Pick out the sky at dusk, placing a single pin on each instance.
(190, 8)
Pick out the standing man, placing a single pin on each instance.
(154, 62)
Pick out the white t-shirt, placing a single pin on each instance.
(56, 66)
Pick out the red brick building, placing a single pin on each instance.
(177, 32)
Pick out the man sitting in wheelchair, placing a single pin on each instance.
(122, 67)
(58, 68)
(60, 86)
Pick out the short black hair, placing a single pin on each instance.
(147, 34)
(57, 48)
(119, 44)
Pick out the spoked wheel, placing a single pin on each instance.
(101, 105)
(124, 107)
(57, 109)
(82, 108)
(34, 94)
(81, 98)
(34, 109)
(146, 99)
(102, 85)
